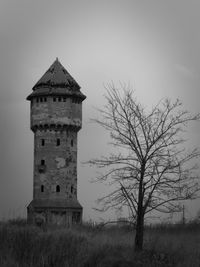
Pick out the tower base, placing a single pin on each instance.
(54, 211)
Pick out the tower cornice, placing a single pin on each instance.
(56, 91)
(55, 127)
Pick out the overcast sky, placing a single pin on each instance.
(153, 45)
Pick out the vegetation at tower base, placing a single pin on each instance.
(88, 245)
(150, 169)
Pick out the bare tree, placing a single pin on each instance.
(151, 169)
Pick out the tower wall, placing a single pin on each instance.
(67, 111)
(60, 164)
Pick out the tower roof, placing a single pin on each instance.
(56, 81)
(58, 76)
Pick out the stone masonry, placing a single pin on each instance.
(56, 117)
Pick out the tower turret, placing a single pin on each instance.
(56, 118)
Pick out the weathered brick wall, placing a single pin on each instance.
(54, 217)
(55, 112)
(60, 166)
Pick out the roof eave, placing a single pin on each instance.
(78, 95)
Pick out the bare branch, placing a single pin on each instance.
(154, 170)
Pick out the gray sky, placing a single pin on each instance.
(152, 44)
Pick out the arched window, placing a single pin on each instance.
(58, 142)
(42, 188)
(57, 188)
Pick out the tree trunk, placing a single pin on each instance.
(140, 217)
(139, 231)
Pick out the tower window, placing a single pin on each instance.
(42, 188)
(43, 142)
(42, 166)
(54, 99)
(57, 188)
(59, 99)
(72, 142)
(58, 142)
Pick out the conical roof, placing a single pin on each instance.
(56, 81)
(57, 75)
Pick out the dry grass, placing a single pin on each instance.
(87, 246)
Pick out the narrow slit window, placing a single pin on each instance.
(58, 142)
(42, 162)
(72, 142)
(42, 188)
(72, 189)
(43, 142)
(57, 188)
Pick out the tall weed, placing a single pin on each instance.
(23, 245)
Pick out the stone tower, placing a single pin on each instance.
(56, 117)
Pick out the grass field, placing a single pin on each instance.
(22, 245)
